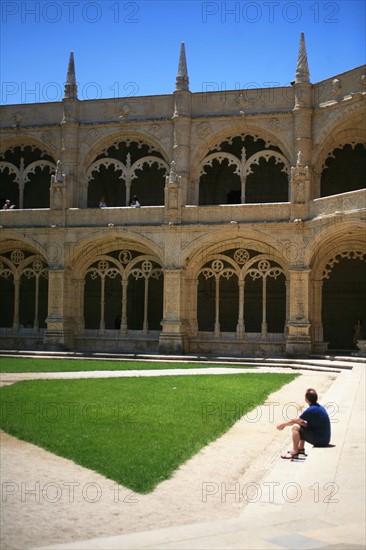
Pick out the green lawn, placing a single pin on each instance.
(25, 364)
(136, 431)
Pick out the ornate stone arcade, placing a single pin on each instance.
(250, 238)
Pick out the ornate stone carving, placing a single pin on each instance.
(91, 136)
(49, 138)
(299, 180)
(273, 124)
(123, 112)
(204, 129)
(155, 130)
(350, 254)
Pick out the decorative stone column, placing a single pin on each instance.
(301, 175)
(172, 338)
(182, 124)
(318, 344)
(298, 342)
(173, 196)
(70, 136)
(59, 334)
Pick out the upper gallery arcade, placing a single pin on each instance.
(250, 238)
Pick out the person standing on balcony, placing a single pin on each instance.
(102, 202)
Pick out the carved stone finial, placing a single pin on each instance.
(173, 176)
(71, 89)
(302, 69)
(58, 177)
(336, 87)
(298, 161)
(18, 119)
(123, 112)
(182, 80)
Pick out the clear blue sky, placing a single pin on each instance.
(127, 48)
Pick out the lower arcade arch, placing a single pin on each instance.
(123, 291)
(344, 299)
(241, 291)
(23, 290)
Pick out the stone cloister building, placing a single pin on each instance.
(250, 239)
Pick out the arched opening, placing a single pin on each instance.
(7, 302)
(220, 185)
(234, 171)
(206, 304)
(123, 290)
(125, 169)
(37, 189)
(25, 176)
(266, 183)
(23, 290)
(343, 302)
(344, 170)
(107, 183)
(241, 291)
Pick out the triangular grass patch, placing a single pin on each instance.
(135, 431)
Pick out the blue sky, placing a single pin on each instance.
(131, 48)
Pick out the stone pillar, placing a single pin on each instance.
(172, 338)
(173, 196)
(181, 142)
(70, 137)
(318, 344)
(59, 334)
(301, 179)
(298, 342)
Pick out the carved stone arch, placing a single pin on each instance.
(12, 170)
(149, 160)
(208, 246)
(264, 181)
(263, 258)
(220, 184)
(349, 254)
(27, 141)
(343, 168)
(124, 153)
(331, 240)
(222, 258)
(120, 280)
(96, 244)
(266, 154)
(23, 288)
(11, 241)
(95, 167)
(342, 292)
(105, 142)
(214, 294)
(21, 159)
(228, 132)
(336, 123)
(31, 168)
(339, 144)
(220, 157)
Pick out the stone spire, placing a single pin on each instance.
(182, 80)
(302, 69)
(71, 89)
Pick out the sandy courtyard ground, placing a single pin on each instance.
(47, 499)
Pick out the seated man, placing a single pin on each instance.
(313, 426)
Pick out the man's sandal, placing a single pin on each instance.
(290, 455)
(302, 452)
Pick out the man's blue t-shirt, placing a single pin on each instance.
(318, 422)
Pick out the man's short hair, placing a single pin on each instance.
(311, 395)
